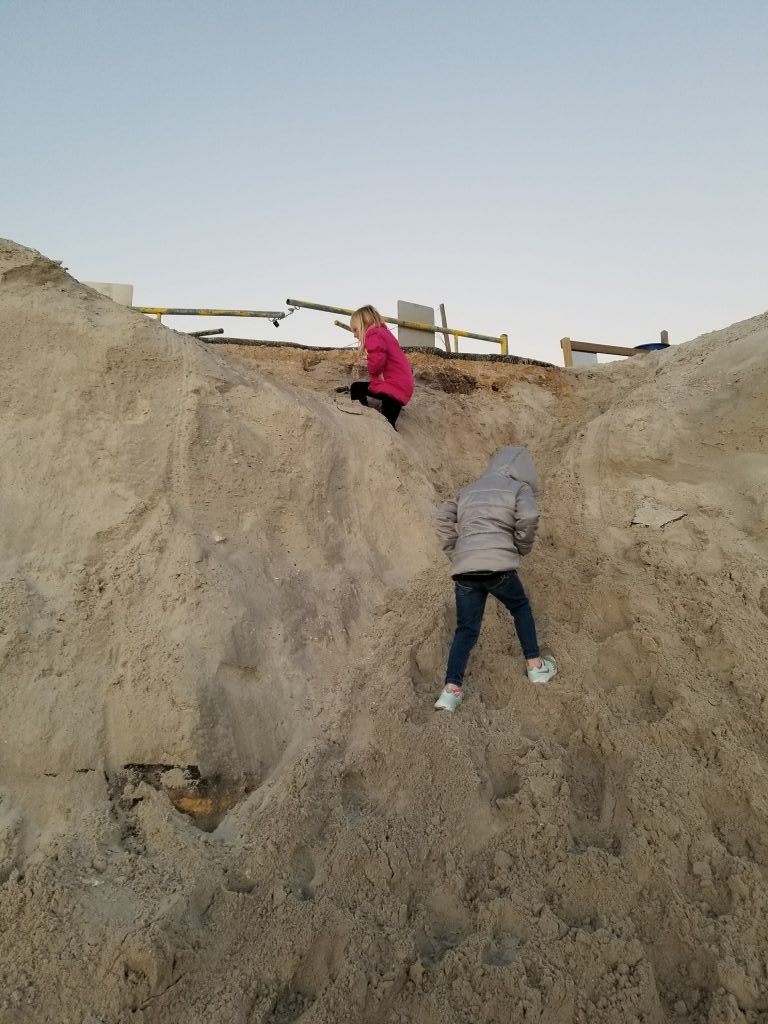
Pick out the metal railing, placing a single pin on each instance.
(160, 311)
(293, 304)
(502, 340)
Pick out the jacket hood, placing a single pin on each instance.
(517, 464)
(379, 330)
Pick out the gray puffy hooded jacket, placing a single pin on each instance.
(493, 521)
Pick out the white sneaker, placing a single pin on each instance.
(548, 671)
(450, 699)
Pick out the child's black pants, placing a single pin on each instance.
(390, 407)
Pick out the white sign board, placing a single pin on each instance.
(122, 293)
(422, 315)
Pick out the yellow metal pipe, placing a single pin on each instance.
(159, 311)
(414, 325)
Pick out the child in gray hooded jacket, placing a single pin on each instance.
(485, 532)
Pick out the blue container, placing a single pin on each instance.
(652, 346)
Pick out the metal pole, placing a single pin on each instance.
(159, 311)
(300, 304)
(431, 328)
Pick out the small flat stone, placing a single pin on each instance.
(647, 515)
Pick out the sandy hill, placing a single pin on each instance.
(224, 794)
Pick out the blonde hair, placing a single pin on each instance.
(363, 319)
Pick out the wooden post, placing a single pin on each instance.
(565, 345)
(444, 322)
(664, 338)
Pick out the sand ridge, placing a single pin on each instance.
(224, 615)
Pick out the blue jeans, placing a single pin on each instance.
(471, 595)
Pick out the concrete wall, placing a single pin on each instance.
(584, 358)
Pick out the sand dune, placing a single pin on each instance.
(224, 794)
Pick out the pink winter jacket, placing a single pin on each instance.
(389, 369)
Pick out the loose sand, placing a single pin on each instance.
(224, 795)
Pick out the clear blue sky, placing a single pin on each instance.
(545, 168)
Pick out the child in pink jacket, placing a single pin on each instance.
(391, 377)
